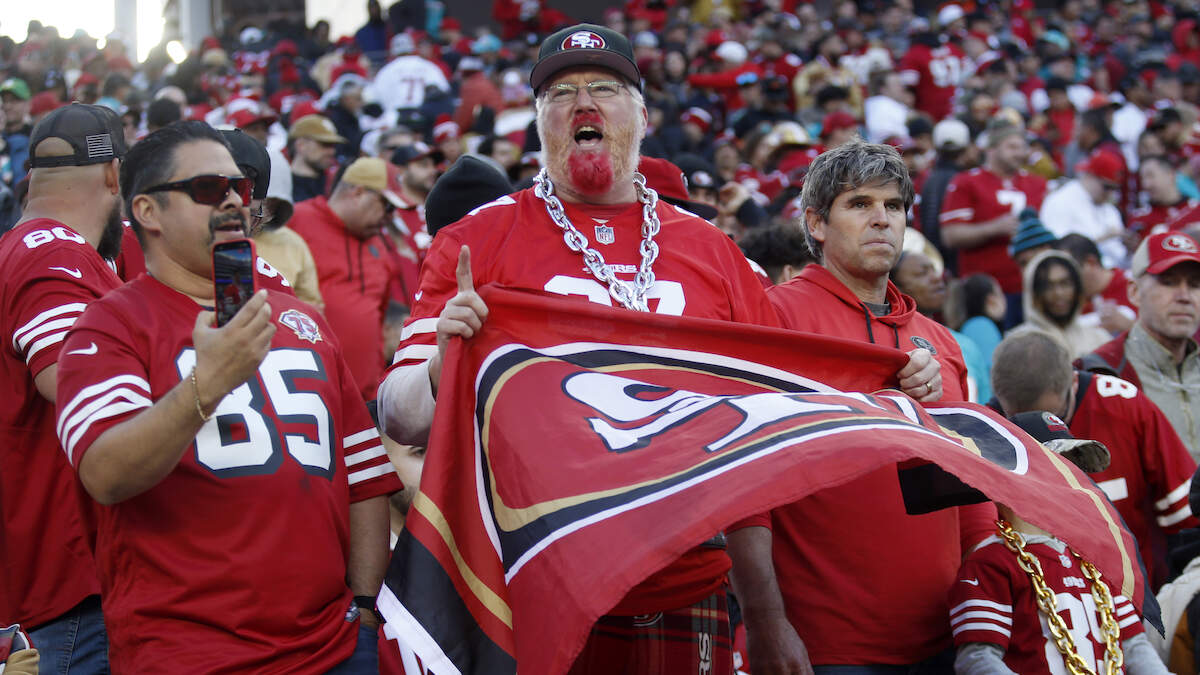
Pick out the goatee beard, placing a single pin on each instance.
(109, 246)
(591, 172)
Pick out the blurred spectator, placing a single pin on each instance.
(476, 90)
(952, 143)
(824, 70)
(1106, 288)
(402, 82)
(160, 113)
(314, 142)
(886, 111)
(279, 244)
(1031, 238)
(1163, 200)
(977, 306)
(372, 37)
(14, 101)
(1053, 297)
(780, 250)
(343, 103)
(934, 70)
(1084, 205)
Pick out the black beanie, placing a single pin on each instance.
(468, 183)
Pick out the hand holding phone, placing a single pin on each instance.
(233, 277)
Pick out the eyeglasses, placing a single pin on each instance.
(564, 92)
(209, 189)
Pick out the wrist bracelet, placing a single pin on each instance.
(196, 394)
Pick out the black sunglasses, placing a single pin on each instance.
(209, 189)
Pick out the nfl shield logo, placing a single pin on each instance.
(604, 234)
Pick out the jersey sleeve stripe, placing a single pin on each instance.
(416, 353)
(1174, 496)
(69, 308)
(957, 214)
(981, 603)
(980, 614)
(363, 436)
(112, 410)
(1180, 514)
(365, 455)
(1128, 621)
(98, 389)
(428, 325)
(48, 341)
(369, 473)
(56, 325)
(991, 627)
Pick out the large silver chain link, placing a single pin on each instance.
(631, 295)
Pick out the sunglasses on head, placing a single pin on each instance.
(209, 189)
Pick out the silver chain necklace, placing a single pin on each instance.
(631, 295)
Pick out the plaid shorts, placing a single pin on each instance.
(693, 640)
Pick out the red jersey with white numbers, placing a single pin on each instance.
(236, 561)
(1150, 472)
(993, 602)
(977, 196)
(1144, 219)
(514, 243)
(50, 275)
(936, 73)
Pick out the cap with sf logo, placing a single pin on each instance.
(585, 45)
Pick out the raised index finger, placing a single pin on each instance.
(463, 273)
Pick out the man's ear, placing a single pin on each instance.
(112, 177)
(1131, 289)
(145, 210)
(815, 224)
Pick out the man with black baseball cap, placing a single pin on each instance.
(591, 119)
(54, 266)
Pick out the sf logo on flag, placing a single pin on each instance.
(584, 39)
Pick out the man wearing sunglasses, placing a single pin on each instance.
(353, 269)
(53, 268)
(243, 479)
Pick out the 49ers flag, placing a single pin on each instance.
(576, 449)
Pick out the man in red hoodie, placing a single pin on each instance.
(353, 269)
(825, 582)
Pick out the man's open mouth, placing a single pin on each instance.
(588, 136)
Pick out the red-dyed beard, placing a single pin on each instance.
(591, 172)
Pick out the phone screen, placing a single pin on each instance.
(233, 277)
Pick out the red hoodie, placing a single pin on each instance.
(862, 581)
(354, 275)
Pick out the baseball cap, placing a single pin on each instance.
(43, 103)
(951, 135)
(838, 119)
(93, 131)
(17, 87)
(1160, 252)
(1090, 456)
(368, 172)
(1103, 165)
(252, 158)
(669, 182)
(949, 14)
(469, 183)
(585, 44)
(242, 112)
(407, 153)
(317, 128)
(698, 116)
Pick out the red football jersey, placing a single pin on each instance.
(699, 272)
(1186, 218)
(50, 275)
(1145, 219)
(978, 196)
(236, 561)
(935, 73)
(1151, 470)
(993, 602)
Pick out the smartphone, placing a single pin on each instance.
(233, 276)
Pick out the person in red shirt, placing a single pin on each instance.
(935, 71)
(1150, 470)
(411, 175)
(979, 212)
(353, 268)
(1164, 201)
(825, 581)
(244, 520)
(53, 268)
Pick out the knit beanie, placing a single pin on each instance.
(470, 182)
(1031, 233)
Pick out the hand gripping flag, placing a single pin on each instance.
(576, 449)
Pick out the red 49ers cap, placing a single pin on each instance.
(585, 44)
(1160, 252)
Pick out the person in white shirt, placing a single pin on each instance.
(886, 112)
(1084, 206)
(401, 83)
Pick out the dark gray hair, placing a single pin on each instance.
(850, 166)
(1027, 364)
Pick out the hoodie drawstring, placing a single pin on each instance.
(867, 316)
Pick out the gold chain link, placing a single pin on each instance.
(1113, 658)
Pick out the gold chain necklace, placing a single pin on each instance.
(1114, 658)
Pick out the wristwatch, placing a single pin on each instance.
(366, 603)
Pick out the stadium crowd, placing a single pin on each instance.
(1032, 168)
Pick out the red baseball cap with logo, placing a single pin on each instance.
(585, 44)
(1103, 165)
(671, 185)
(1160, 252)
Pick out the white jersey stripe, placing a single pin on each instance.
(69, 308)
(983, 626)
(48, 341)
(1128, 621)
(365, 455)
(368, 474)
(428, 325)
(88, 392)
(416, 352)
(982, 603)
(1170, 519)
(360, 437)
(43, 328)
(1174, 496)
(106, 412)
(981, 614)
(97, 403)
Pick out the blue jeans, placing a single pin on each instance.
(74, 643)
(365, 659)
(939, 664)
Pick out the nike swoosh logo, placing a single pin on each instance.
(73, 272)
(86, 351)
(973, 582)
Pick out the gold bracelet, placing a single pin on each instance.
(196, 394)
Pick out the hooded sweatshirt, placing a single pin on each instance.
(1079, 338)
